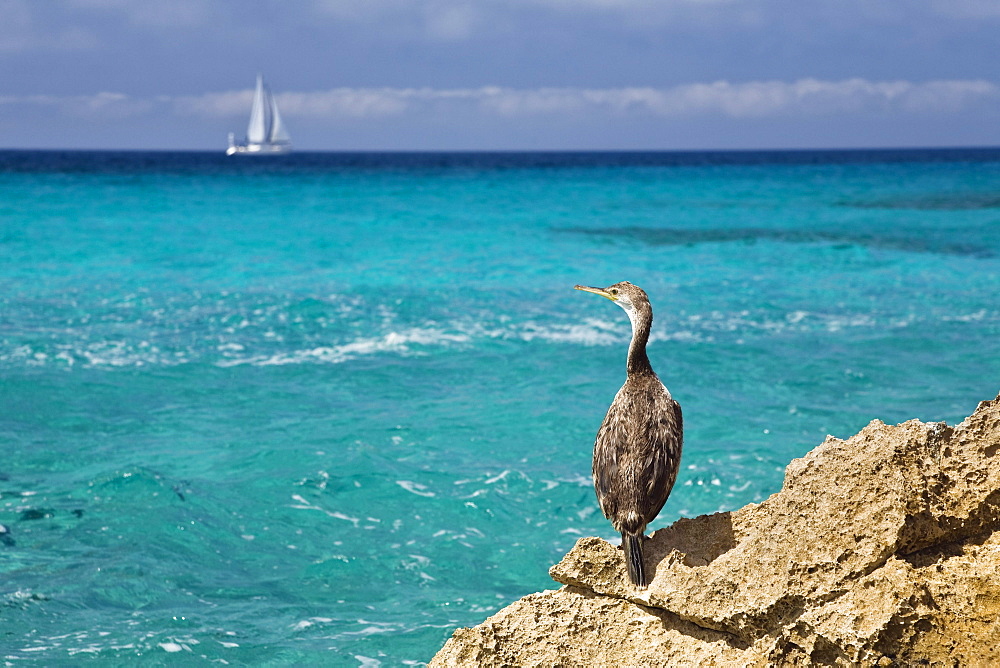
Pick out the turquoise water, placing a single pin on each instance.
(327, 408)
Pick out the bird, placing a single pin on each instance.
(637, 451)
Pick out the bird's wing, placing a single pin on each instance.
(665, 436)
(637, 453)
(611, 439)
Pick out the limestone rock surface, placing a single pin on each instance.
(882, 549)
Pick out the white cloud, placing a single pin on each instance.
(344, 102)
(945, 96)
(736, 100)
(101, 105)
(756, 99)
(227, 103)
(768, 98)
(350, 102)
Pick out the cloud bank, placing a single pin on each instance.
(757, 99)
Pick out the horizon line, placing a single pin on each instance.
(221, 151)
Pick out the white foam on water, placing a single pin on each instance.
(312, 621)
(372, 628)
(796, 316)
(400, 343)
(111, 353)
(305, 505)
(415, 488)
(172, 647)
(590, 332)
(579, 480)
(498, 477)
(976, 316)
(262, 340)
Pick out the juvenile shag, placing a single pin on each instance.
(638, 448)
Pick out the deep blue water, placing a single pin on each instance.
(325, 408)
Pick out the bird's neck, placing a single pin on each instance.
(638, 361)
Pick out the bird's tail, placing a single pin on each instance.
(632, 543)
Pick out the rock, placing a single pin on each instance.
(878, 550)
(576, 627)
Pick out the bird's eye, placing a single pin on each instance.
(613, 291)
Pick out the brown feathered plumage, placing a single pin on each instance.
(638, 448)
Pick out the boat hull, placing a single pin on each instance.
(259, 149)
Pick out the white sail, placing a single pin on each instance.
(257, 129)
(266, 134)
(278, 134)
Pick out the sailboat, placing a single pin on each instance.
(265, 133)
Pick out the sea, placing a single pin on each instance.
(326, 408)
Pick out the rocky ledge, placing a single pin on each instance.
(879, 550)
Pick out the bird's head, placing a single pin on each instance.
(629, 297)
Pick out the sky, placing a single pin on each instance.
(503, 74)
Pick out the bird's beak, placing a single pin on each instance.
(597, 291)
